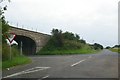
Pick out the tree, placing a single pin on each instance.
(57, 39)
(116, 46)
(77, 36)
(4, 27)
(97, 46)
(4, 0)
(83, 41)
(4, 23)
(70, 36)
(108, 47)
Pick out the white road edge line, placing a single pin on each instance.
(77, 62)
(45, 77)
(27, 71)
(35, 68)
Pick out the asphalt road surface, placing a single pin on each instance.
(100, 65)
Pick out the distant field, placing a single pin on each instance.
(115, 50)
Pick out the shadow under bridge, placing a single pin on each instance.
(28, 44)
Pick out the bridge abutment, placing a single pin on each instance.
(39, 39)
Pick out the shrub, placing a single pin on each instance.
(83, 41)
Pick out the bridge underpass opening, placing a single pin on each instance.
(28, 44)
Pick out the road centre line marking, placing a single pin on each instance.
(27, 71)
(45, 77)
(77, 62)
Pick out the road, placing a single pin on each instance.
(100, 65)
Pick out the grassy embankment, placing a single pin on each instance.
(20, 60)
(17, 59)
(70, 47)
(115, 50)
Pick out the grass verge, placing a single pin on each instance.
(115, 50)
(67, 52)
(15, 61)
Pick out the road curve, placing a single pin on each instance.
(100, 65)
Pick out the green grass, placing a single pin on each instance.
(69, 47)
(115, 50)
(0, 65)
(67, 52)
(16, 58)
(15, 61)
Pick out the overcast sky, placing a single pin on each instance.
(96, 21)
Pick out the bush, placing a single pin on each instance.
(83, 41)
(71, 44)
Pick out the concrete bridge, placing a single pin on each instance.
(31, 41)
